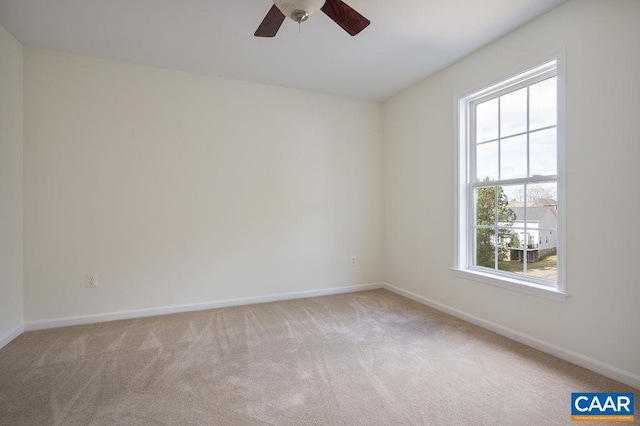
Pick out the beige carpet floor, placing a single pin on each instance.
(368, 358)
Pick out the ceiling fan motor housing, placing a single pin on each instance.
(299, 10)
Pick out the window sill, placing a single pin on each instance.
(512, 284)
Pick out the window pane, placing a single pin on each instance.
(518, 239)
(513, 113)
(542, 223)
(484, 248)
(543, 148)
(510, 203)
(543, 259)
(513, 157)
(487, 161)
(487, 121)
(543, 104)
(485, 206)
(510, 251)
(514, 195)
(542, 195)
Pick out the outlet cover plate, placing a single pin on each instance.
(91, 280)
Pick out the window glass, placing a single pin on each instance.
(487, 121)
(543, 148)
(487, 161)
(513, 113)
(543, 104)
(513, 157)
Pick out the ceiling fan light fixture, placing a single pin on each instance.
(299, 10)
(299, 16)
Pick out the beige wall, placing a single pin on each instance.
(600, 318)
(10, 187)
(179, 188)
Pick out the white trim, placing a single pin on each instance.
(512, 284)
(150, 312)
(561, 236)
(12, 334)
(599, 367)
(514, 71)
(576, 358)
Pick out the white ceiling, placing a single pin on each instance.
(406, 41)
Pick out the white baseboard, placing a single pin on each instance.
(12, 334)
(599, 367)
(150, 312)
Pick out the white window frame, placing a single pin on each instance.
(463, 267)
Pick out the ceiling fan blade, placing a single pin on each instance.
(345, 16)
(271, 23)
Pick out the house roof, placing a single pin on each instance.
(534, 214)
(545, 202)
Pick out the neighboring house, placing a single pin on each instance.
(540, 238)
(540, 202)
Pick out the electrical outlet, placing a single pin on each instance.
(91, 280)
(354, 260)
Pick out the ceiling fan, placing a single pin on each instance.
(301, 10)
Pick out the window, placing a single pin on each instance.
(510, 175)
